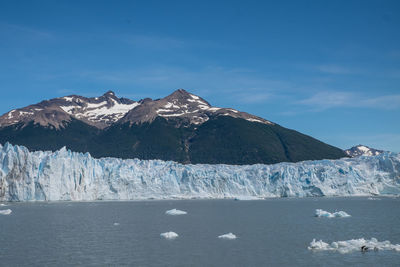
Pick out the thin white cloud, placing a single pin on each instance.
(384, 141)
(160, 42)
(242, 84)
(155, 42)
(335, 69)
(326, 100)
(254, 97)
(25, 30)
(329, 99)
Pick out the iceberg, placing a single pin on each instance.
(5, 212)
(169, 235)
(323, 213)
(70, 176)
(228, 236)
(353, 245)
(175, 212)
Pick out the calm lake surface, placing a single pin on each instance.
(272, 232)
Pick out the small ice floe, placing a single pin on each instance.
(169, 235)
(2, 204)
(229, 236)
(5, 212)
(243, 198)
(116, 224)
(323, 213)
(175, 212)
(353, 245)
(373, 198)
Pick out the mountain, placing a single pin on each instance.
(66, 175)
(99, 112)
(361, 150)
(181, 127)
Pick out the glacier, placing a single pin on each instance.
(70, 176)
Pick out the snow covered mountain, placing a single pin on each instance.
(66, 175)
(189, 108)
(108, 109)
(97, 111)
(181, 127)
(361, 150)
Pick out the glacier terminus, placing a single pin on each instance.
(70, 176)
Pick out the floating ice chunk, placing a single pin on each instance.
(229, 236)
(5, 212)
(247, 198)
(323, 213)
(2, 204)
(116, 224)
(353, 245)
(373, 198)
(175, 212)
(169, 235)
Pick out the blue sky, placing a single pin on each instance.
(330, 69)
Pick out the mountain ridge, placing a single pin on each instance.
(181, 127)
(103, 111)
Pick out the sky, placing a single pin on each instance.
(329, 69)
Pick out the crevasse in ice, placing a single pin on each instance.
(66, 175)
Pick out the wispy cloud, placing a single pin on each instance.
(241, 84)
(160, 42)
(25, 30)
(155, 42)
(329, 99)
(385, 141)
(335, 69)
(331, 68)
(251, 97)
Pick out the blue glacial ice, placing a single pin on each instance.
(228, 236)
(354, 245)
(175, 212)
(327, 214)
(5, 212)
(65, 175)
(169, 235)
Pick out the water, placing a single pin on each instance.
(272, 232)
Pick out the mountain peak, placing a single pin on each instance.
(362, 150)
(180, 93)
(109, 93)
(185, 107)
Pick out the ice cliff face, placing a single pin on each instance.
(66, 175)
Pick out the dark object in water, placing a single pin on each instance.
(364, 248)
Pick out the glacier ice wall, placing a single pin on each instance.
(66, 175)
